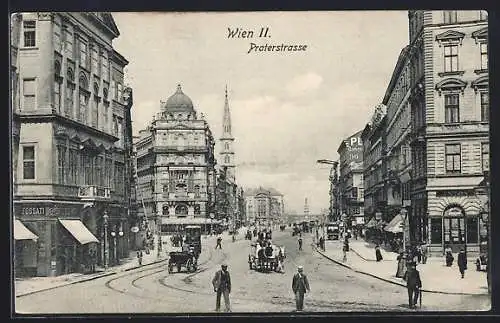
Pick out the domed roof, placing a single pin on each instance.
(178, 102)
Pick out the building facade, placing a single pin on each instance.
(398, 167)
(334, 210)
(450, 125)
(70, 185)
(373, 166)
(264, 207)
(176, 168)
(351, 189)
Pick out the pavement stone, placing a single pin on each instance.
(434, 273)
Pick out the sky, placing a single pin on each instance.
(288, 109)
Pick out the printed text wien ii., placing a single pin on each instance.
(263, 32)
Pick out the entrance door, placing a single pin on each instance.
(454, 232)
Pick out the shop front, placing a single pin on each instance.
(63, 240)
(25, 255)
(459, 226)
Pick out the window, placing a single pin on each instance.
(485, 156)
(165, 210)
(472, 230)
(105, 112)
(61, 164)
(484, 55)
(83, 54)
(57, 87)
(29, 94)
(485, 106)
(29, 33)
(226, 159)
(451, 108)
(68, 43)
(82, 116)
(29, 162)
(57, 38)
(450, 17)
(436, 231)
(95, 112)
(70, 91)
(451, 58)
(452, 158)
(95, 61)
(105, 67)
(197, 191)
(73, 166)
(226, 146)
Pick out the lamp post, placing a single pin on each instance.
(482, 192)
(106, 251)
(404, 216)
(113, 234)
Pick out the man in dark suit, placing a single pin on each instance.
(222, 286)
(413, 283)
(300, 285)
(462, 261)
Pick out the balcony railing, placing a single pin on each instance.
(93, 192)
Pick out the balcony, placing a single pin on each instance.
(94, 192)
(462, 128)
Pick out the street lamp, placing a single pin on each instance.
(404, 216)
(105, 218)
(113, 234)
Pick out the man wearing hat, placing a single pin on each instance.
(222, 286)
(413, 283)
(300, 285)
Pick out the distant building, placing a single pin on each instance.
(176, 168)
(351, 189)
(264, 206)
(71, 169)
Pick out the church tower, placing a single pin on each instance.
(227, 141)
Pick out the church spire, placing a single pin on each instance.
(227, 140)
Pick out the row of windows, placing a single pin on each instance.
(453, 158)
(451, 16)
(452, 107)
(451, 63)
(454, 230)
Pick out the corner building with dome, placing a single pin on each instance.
(175, 167)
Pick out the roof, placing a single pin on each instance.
(262, 190)
(402, 59)
(178, 102)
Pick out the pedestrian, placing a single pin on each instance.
(300, 243)
(448, 256)
(345, 249)
(322, 243)
(413, 284)
(462, 262)
(139, 257)
(401, 264)
(378, 253)
(219, 243)
(419, 253)
(424, 252)
(300, 285)
(222, 286)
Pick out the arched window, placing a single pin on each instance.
(197, 190)
(165, 210)
(96, 88)
(84, 84)
(70, 91)
(105, 94)
(165, 188)
(181, 209)
(84, 99)
(57, 86)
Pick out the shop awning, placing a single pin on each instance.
(79, 231)
(188, 220)
(372, 223)
(395, 224)
(21, 232)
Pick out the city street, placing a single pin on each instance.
(152, 290)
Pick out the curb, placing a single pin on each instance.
(396, 283)
(67, 284)
(87, 279)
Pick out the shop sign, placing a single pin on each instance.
(48, 211)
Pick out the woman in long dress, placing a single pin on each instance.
(378, 253)
(401, 264)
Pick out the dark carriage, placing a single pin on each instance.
(259, 260)
(179, 259)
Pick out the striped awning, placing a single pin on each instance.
(394, 225)
(21, 232)
(79, 231)
(188, 220)
(372, 223)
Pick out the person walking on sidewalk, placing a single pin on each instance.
(462, 261)
(401, 264)
(219, 243)
(222, 286)
(448, 256)
(378, 253)
(424, 252)
(345, 249)
(413, 284)
(139, 257)
(300, 285)
(300, 243)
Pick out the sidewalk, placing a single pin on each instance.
(31, 285)
(435, 276)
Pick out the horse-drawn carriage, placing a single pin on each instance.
(265, 258)
(179, 259)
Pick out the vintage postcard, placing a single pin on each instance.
(250, 162)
